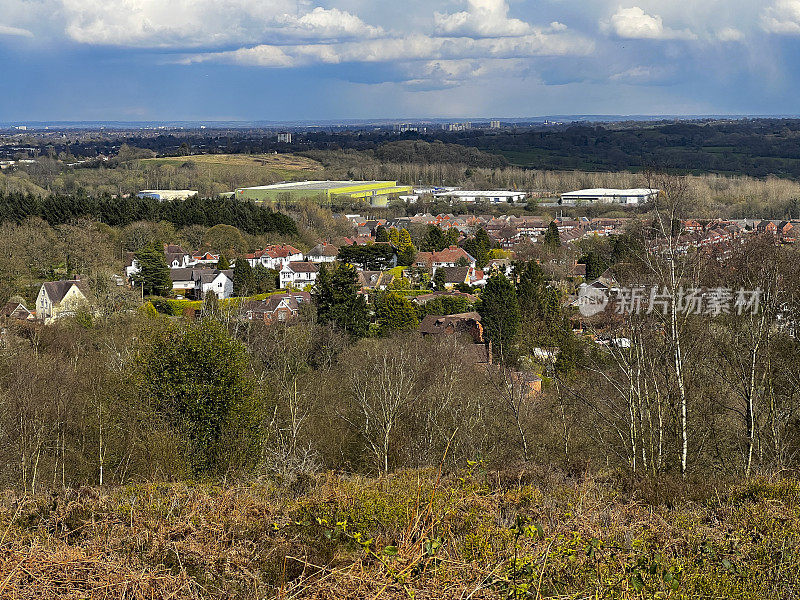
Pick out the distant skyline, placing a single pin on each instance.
(303, 60)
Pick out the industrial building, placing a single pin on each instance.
(609, 196)
(167, 194)
(377, 193)
(490, 196)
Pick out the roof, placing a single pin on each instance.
(323, 250)
(299, 266)
(181, 274)
(480, 193)
(469, 322)
(455, 274)
(15, 310)
(315, 185)
(56, 290)
(611, 192)
(423, 298)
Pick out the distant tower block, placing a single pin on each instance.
(285, 138)
(494, 124)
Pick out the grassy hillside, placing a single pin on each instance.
(209, 174)
(411, 535)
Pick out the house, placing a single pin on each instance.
(372, 280)
(274, 257)
(205, 258)
(195, 283)
(449, 257)
(456, 275)
(15, 311)
(58, 299)
(322, 253)
(298, 274)
(278, 308)
(767, 227)
(469, 323)
(213, 281)
(182, 281)
(176, 257)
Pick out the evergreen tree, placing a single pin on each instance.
(451, 237)
(499, 312)
(478, 247)
(405, 250)
(439, 279)
(530, 286)
(394, 237)
(223, 263)
(434, 240)
(338, 302)
(595, 265)
(153, 273)
(264, 279)
(381, 235)
(199, 379)
(552, 239)
(243, 278)
(395, 313)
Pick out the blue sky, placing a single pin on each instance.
(350, 59)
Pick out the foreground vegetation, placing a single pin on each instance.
(522, 533)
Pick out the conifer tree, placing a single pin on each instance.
(336, 297)
(499, 312)
(243, 279)
(395, 313)
(153, 273)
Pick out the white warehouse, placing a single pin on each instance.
(609, 196)
(167, 194)
(490, 196)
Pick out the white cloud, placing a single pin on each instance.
(417, 47)
(205, 23)
(333, 23)
(482, 18)
(643, 74)
(730, 34)
(17, 31)
(634, 23)
(782, 17)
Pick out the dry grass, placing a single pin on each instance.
(410, 535)
(273, 161)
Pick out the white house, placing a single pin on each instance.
(59, 299)
(274, 257)
(322, 253)
(217, 282)
(298, 274)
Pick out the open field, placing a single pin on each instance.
(208, 174)
(517, 534)
(279, 162)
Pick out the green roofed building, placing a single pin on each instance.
(376, 193)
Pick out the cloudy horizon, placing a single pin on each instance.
(292, 60)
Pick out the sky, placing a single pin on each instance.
(286, 60)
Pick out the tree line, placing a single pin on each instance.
(58, 209)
